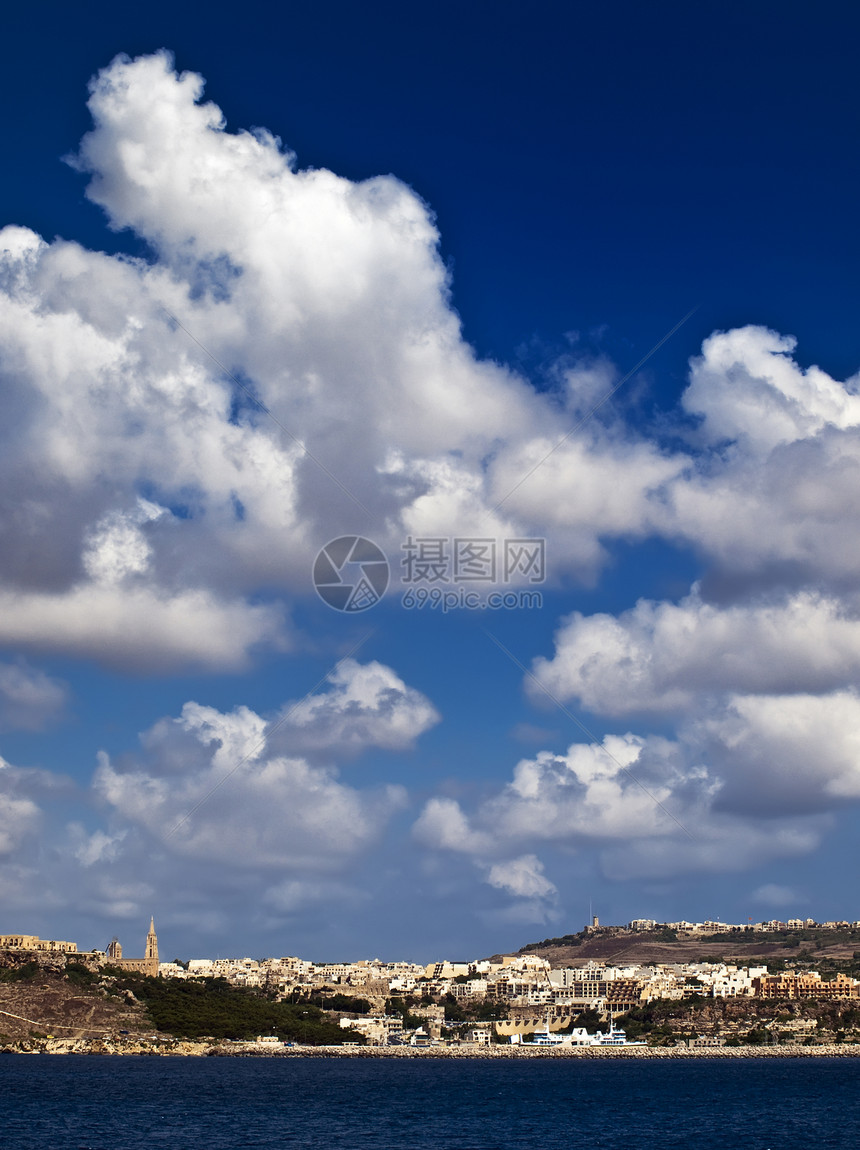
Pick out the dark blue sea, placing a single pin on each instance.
(121, 1103)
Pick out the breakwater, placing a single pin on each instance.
(199, 1049)
(654, 1052)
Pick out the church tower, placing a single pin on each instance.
(151, 954)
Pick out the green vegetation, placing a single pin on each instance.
(662, 1021)
(78, 975)
(470, 1010)
(343, 1003)
(21, 973)
(212, 1008)
(402, 1006)
(837, 1015)
(330, 1000)
(758, 1037)
(488, 1011)
(744, 1022)
(564, 940)
(590, 1019)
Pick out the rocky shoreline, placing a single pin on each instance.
(794, 1051)
(181, 1049)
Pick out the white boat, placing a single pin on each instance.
(615, 1037)
(577, 1037)
(546, 1037)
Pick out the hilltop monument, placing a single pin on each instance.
(152, 944)
(146, 965)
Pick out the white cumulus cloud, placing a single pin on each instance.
(664, 657)
(522, 877)
(324, 298)
(213, 786)
(365, 705)
(650, 807)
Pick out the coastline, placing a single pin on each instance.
(174, 1049)
(671, 1052)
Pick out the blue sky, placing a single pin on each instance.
(429, 244)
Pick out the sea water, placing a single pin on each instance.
(56, 1102)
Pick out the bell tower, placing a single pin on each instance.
(151, 954)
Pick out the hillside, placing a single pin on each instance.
(212, 1008)
(619, 947)
(64, 1000)
(71, 997)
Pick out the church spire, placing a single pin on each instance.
(152, 945)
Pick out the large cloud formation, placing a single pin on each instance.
(238, 789)
(140, 477)
(183, 433)
(252, 807)
(648, 806)
(758, 665)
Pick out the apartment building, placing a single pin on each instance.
(808, 984)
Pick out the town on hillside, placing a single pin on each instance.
(541, 995)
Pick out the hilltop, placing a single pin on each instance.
(618, 946)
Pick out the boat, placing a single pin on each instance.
(615, 1037)
(546, 1037)
(577, 1037)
